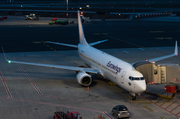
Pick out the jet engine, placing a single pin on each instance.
(84, 78)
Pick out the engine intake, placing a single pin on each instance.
(84, 79)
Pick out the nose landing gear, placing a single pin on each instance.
(132, 96)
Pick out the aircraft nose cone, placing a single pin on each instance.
(141, 87)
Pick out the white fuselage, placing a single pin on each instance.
(112, 68)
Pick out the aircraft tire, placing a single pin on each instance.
(133, 97)
(112, 113)
(117, 116)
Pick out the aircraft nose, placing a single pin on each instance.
(141, 87)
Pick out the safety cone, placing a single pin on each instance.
(75, 62)
(88, 88)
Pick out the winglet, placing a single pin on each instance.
(5, 56)
(82, 39)
(176, 49)
(160, 58)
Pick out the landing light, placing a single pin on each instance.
(9, 61)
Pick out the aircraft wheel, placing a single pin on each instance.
(112, 113)
(133, 97)
(117, 116)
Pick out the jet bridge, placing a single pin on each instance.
(161, 73)
(168, 74)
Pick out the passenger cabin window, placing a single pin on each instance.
(136, 78)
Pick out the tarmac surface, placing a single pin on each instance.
(18, 35)
(32, 92)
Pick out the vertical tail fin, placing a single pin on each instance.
(82, 39)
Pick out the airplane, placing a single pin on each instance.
(109, 67)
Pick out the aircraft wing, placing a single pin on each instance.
(81, 69)
(95, 43)
(158, 58)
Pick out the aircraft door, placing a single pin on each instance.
(123, 76)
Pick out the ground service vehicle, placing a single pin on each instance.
(61, 22)
(2, 18)
(65, 114)
(120, 111)
(31, 17)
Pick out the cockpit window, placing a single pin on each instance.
(142, 78)
(136, 78)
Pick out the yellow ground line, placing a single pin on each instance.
(124, 41)
(111, 83)
(161, 38)
(148, 108)
(118, 90)
(156, 31)
(104, 33)
(162, 117)
(36, 41)
(96, 33)
(69, 59)
(169, 38)
(155, 94)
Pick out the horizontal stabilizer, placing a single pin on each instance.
(98, 42)
(69, 45)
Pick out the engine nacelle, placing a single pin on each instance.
(84, 79)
